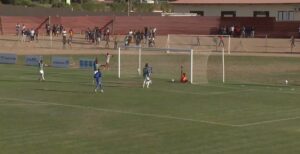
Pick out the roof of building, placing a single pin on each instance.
(236, 2)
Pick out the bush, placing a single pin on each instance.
(92, 6)
(60, 5)
(44, 1)
(165, 7)
(23, 2)
(143, 7)
(118, 7)
(7, 1)
(76, 7)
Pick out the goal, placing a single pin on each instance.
(167, 63)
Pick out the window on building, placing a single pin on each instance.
(199, 13)
(261, 14)
(285, 15)
(228, 14)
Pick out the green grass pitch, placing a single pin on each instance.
(63, 114)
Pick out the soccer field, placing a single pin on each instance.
(255, 114)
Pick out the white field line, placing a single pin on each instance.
(267, 121)
(281, 90)
(206, 93)
(18, 104)
(150, 115)
(121, 112)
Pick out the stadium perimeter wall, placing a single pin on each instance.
(165, 25)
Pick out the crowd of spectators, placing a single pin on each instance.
(96, 35)
(138, 37)
(237, 31)
(26, 34)
(55, 29)
(59, 30)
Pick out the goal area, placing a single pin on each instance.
(167, 63)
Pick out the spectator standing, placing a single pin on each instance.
(252, 32)
(32, 33)
(292, 43)
(18, 29)
(243, 32)
(221, 41)
(64, 40)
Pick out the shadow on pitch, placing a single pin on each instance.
(261, 85)
(64, 91)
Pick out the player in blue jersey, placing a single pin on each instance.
(147, 71)
(98, 79)
(95, 65)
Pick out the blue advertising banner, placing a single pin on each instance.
(86, 63)
(62, 62)
(8, 58)
(32, 60)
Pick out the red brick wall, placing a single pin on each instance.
(9, 23)
(164, 25)
(168, 25)
(286, 29)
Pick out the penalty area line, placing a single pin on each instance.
(121, 112)
(268, 122)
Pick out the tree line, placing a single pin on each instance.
(96, 6)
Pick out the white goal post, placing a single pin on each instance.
(166, 62)
(199, 42)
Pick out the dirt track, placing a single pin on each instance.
(253, 46)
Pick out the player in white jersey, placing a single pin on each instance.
(41, 71)
(108, 56)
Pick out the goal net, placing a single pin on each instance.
(199, 42)
(167, 63)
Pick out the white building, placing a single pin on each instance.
(282, 10)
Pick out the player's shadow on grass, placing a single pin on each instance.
(121, 84)
(64, 91)
(17, 80)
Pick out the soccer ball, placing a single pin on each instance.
(173, 80)
(286, 82)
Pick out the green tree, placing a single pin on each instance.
(138, 7)
(118, 7)
(92, 6)
(23, 2)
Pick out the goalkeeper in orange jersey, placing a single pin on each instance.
(183, 78)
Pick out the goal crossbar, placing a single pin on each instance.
(156, 49)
